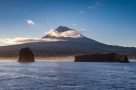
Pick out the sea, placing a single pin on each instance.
(45, 75)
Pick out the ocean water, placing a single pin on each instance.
(67, 76)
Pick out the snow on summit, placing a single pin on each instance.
(63, 31)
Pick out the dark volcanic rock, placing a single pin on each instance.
(102, 58)
(62, 29)
(26, 55)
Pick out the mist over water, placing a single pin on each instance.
(67, 76)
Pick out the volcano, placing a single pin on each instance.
(64, 41)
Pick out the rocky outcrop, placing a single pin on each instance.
(26, 55)
(102, 58)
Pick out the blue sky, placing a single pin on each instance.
(108, 21)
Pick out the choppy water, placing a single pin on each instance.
(67, 76)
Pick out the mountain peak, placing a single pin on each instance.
(62, 29)
(63, 32)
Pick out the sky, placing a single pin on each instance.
(111, 22)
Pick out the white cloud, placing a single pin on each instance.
(28, 40)
(69, 33)
(10, 41)
(30, 22)
(20, 40)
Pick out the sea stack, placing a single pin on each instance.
(26, 55)
(102, 58)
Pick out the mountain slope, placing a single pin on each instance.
(70, 42)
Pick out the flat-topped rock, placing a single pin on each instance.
(102, 58)
(26, 55)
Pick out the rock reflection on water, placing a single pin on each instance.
(67, 76)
